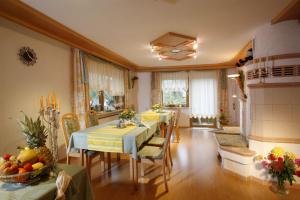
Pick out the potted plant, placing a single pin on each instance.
(222, 118)
(156, 107)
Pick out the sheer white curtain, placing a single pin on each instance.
(203, 93)
(105, 76)
(174, 81)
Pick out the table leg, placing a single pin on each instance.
(82, 157)
(108, 161)
(163, 129)
(136, 174)
(131, 168)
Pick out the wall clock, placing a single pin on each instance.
(27, 56)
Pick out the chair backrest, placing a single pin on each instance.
(70, 124)
(91, 118)
(169, 133)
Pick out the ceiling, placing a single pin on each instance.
(126, 27)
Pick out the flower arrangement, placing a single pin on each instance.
(127, 114)
(156, 107)
(281, 165)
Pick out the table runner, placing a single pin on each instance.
(130, 141)
(108, 138)
(162, 116)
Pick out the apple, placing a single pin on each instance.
(41, 159)
(28, 167)
(6, 156)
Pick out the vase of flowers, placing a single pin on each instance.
(282, 166)
(156, 107)
(127, 115)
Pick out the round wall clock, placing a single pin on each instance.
(27, 56)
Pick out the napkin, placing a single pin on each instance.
(62, 182)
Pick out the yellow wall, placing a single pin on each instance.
(21, 86)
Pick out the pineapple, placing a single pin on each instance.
(36, 135)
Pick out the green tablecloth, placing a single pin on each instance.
(79, 188)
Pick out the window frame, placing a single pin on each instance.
(187, 100)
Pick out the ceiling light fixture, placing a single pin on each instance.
(195, 45)
(174, 46)
(233, 76)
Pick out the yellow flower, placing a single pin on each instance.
(277, 152)
(291, 155)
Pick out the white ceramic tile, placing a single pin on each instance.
(263, 112)
(282, 96)
(295, 95)
(268, 95)
(282, 129)
(282, 113)
(296, 114)
(259, 96)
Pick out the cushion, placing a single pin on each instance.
(71, 126)
(156, 141)
(231, 140)
(150, 152)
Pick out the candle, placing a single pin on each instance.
(48, 101)
(54, 100)
(42, 103)
(58, 105)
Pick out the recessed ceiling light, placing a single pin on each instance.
(175, 50)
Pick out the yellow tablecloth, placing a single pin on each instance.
(108, 138)
(150, 116)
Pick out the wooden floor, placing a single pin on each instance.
(196, 174)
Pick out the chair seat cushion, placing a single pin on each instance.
(231, 140)
(156, 141)
(150, 152)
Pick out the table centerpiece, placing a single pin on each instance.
(156, 108)
(32, 161)
(126, 117)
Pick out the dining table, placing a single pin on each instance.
(110, 138)
(161, 116)
(79, 187)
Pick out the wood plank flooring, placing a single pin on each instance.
(196, 174)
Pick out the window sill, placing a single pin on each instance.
(105, 114)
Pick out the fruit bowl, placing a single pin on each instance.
(26, 177)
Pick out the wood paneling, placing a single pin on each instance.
(290, 12)
(274, 57)
(27, 16)
(274, 85)
(274, 139)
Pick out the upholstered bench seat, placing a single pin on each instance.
(230, 130)
(231, 140)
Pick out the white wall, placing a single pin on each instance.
(277, 39)
(21, 86)
(144, 91)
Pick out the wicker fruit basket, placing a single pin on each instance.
(26, 177)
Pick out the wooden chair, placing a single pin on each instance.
(70, 124)
(160, 141)
(91, 118)
(156, 154)
(176, 125)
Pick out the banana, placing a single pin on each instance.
(37, 165)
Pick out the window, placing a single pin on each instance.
(174, 88)
(106, 85)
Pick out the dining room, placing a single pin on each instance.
(159, 99)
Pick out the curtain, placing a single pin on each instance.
(80, 82)
(105, 76)
(174, 81)
(222, 91)
(203, 93)
(156, 88)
